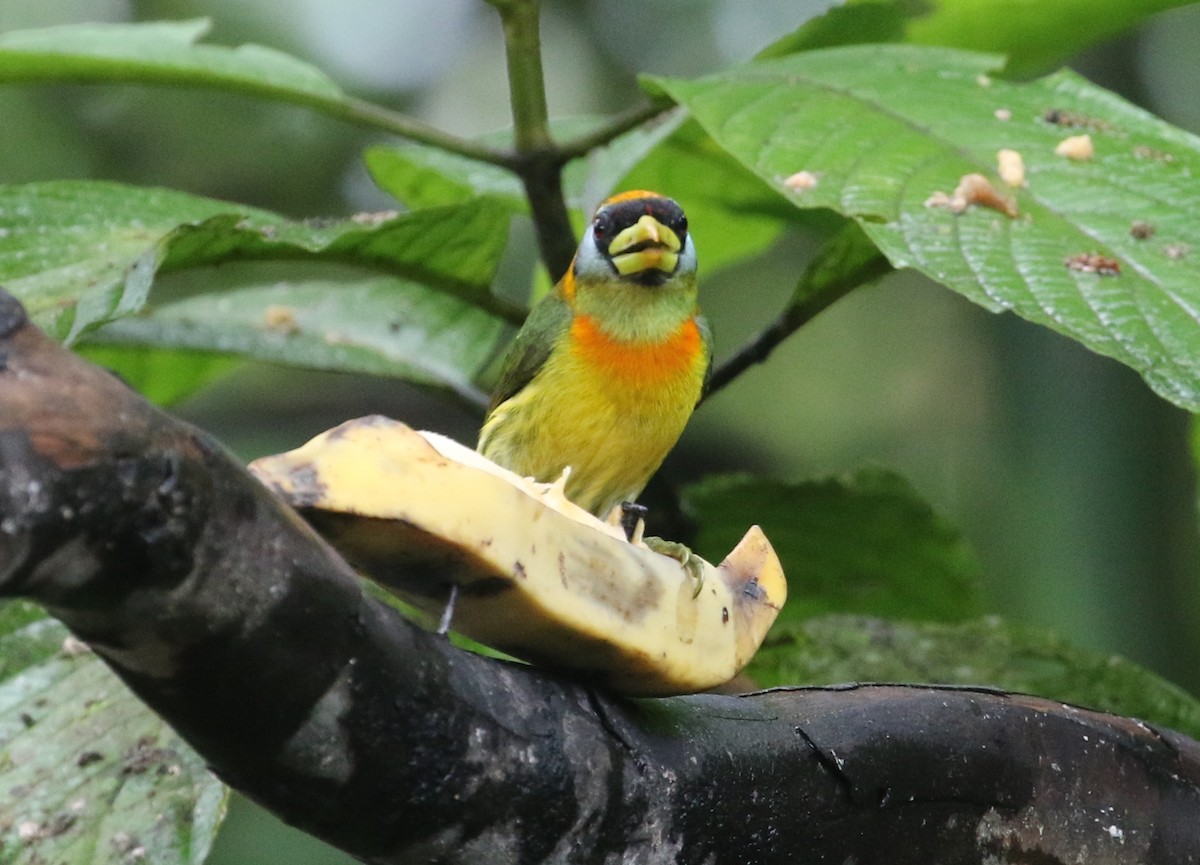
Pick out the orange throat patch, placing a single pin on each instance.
(639, 364)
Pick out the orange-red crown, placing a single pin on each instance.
(629, 195)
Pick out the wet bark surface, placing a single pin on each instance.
(228, 616)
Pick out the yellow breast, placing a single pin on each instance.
(610, 410)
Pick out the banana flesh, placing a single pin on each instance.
(537, 576)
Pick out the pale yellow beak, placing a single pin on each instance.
(644, 245)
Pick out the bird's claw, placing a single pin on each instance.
(633, 518)
(689, 561)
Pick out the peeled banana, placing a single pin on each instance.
(536, 576)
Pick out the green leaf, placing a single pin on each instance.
(18, 654)
(840, 265)
(867, 544)
(91, 774)
(162, 52)
(162, 376)
(324, 318)
(604, 171)
(986, 652)
(882, 129)
(81, 253)
(733, 214)
(168, 53)
(454, 249)
(1034, 36)
(78, 253)
(422, 176)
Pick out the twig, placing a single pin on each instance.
(536, 160)
(847, 261)
(526, 79)
(614, 128)
(375, 116)
(547, 205)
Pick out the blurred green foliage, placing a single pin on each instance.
(1069, 478)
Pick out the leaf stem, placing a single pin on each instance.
(536, 161)
(542, 177)
(848, 260)
(614, 128)
(376, 116)
(526, 79)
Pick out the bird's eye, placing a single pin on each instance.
(600, 226)
(679, 225)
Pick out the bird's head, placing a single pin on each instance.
(636, 236)
(636, 258)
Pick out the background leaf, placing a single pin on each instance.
(867, 544)
(1033, 36)
(91, 775)
(984, 652)
(453, 249)
(883, 128)
(740, 215)
(422, 176)
(163, 376)
(323, 318)
(79, 254)
(163, 52)
(734, 213)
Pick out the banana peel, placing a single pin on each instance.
(538, 577)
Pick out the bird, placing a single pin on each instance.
(608, 367)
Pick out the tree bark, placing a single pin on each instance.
(228, 616)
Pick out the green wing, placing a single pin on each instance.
(706, 335)
(546, 323)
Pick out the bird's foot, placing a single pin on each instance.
(633, 520)
(632, 517)
(689, 561)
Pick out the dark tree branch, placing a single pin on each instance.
(229, 617)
